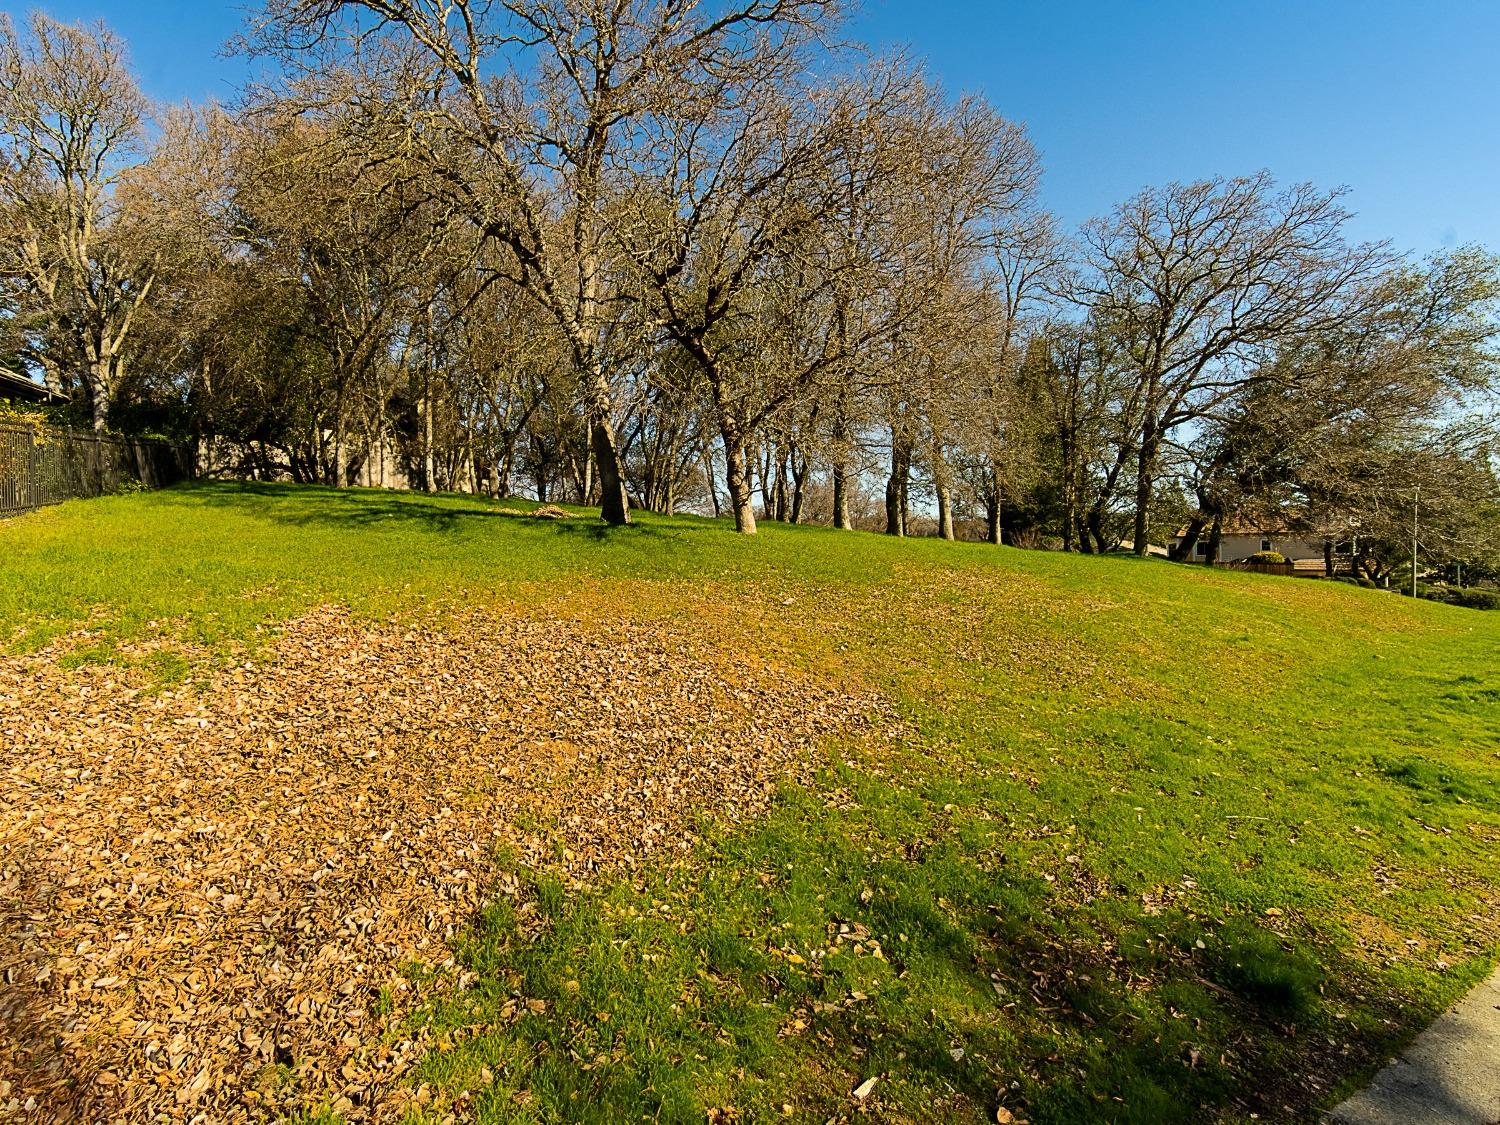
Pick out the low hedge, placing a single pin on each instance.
(1475, 599)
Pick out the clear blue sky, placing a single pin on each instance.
(1398, 100)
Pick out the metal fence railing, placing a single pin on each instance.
(44, 465)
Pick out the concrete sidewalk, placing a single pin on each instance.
(1450, 1075)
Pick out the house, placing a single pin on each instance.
(1241, 540)
(18, 388)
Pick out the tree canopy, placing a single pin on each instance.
(676, 254)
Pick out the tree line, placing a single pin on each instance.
(691, 255)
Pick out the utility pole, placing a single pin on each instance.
(1415, 493)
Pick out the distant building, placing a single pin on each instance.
(18, 388)
(1241, 540)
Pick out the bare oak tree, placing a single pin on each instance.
(541, 101)
(1198, 280)
(72, 121)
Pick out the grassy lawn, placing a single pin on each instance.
(1149, 843)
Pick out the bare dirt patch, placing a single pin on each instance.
(207, 897)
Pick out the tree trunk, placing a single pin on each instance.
(779, 488)
(841, 497)
(339, 478)
(51, 376)
(1215, 538)
(1070, 486)
(467, 470)
(1095, 529)
(1183, 551)
(375, 473)
(1077, 537)
(1144, 478)
(614, 504)
(579, 495)
(736, 479)
(799, 487)
(542, 471)
(896, 486)
(1328, 567)
(992, 519)
(429, 462)
(945, 512)
(766, 496)
(99, 385)
(708, 475)
(944, 491)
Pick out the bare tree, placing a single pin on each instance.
(541, 101)
(1028, 260)
(71, 124)
(969, 190)
(1198, 280)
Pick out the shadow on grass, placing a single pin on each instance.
(1054, 1026)
(1141, 1026)
(368, 507)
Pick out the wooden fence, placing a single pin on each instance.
(43, 465)
(1260, 567)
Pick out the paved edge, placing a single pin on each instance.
(1448, 1075)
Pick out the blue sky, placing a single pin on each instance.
(1397, 100)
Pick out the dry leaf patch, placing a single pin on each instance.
(206, 898)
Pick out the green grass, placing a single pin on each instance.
(1110, 771)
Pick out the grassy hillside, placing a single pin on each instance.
(1146, 842)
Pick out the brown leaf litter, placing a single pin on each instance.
(207, 897)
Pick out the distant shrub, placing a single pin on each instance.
(1267, 557)
(19, 415)
(1475, 599)
(129, 486)
(1468, 598)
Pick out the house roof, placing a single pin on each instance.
(1247, 529)
(12, 382)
